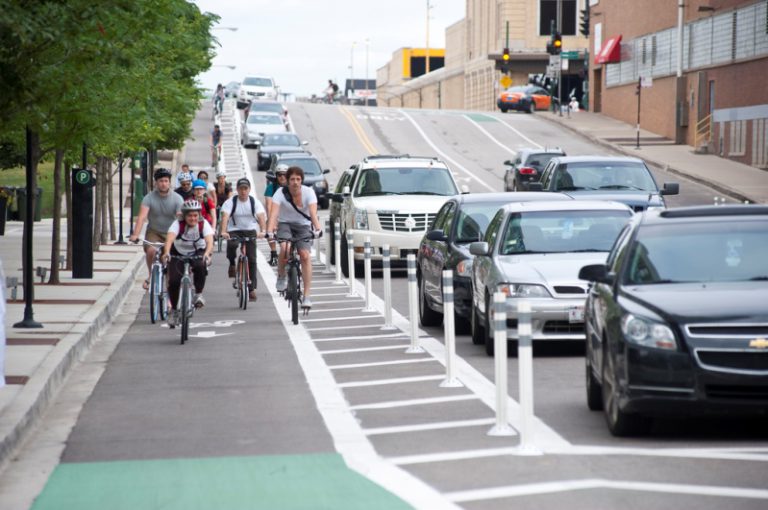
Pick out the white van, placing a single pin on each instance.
(256, 87)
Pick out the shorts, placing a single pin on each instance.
(154, 237)
(296, 231)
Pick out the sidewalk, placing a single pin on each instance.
(737, 180)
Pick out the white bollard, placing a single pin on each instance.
(367, 251)
(499, 325)
(449, 329)
(317, 251)
(413, 306)
(328, 247)
(337, 252)
(525, 381)
(351, 264)
(387, 269)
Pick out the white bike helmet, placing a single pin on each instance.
(185, 176)
(221, 173)
(190, 206)
(281, 168)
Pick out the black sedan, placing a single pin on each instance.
(314, 175)
(461, 221)
(277, 143)
(527, 167)
(677, 318)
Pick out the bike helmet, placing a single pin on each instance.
(281, 169)
(243, 182)
(191, 206)
(221, 173)
(199, 183)
(162, 172)
(185, 176)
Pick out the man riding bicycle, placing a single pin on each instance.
(243, 216)
(294, 214)
(272, 186)
(158, 209)
(189, 236)
(185, 190)
(216, 137)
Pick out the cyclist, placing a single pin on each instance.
(294, 214)
(208, 210)
(191, 235)
(243, 216)
(158, 209)
(222, 188)
(185, 190)
(218, 99)
(216, 145)
(209, 189)
(184, 170)
(279, 181)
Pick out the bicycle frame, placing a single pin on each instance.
(293, 293)
(158, 302)
(185, 306)
(243, 281)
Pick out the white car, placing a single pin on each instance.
(393, 200)
(256, 88)
(259, 124)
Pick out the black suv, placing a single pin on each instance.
(527, 167)
(677, 318)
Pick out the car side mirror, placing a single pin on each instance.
(326, 171)
(437, 235)
(670, 188)
(479, 248)
(508, 162)
(345, 192)
(535, 186)
(596, 273)
(337, 198)
(305, 142)
(464, 189)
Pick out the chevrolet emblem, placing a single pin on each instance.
(758, 343)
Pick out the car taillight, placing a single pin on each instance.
(526, 170)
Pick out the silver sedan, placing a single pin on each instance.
(534, 251)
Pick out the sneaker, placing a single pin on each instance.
(199, 301)
(252, 295)
(173, 318)
(282, 283)
(306, 302)
(273, 258)
(231, 271)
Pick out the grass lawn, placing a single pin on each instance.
(17, 177)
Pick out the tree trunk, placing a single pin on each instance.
(110, 200)
(105, 204)
(56, 232)
(68, 199)
(97, 211)
(35, 157)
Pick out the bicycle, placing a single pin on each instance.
(215, 156)
(219, 239)
(293, 293)
(242, 283)
(185, 305)
(158, 293)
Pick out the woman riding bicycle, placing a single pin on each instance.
(191, 235)
(294, 214)
(208, 210)
(279, 182)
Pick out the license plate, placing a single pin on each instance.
(576, 314)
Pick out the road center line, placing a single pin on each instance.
(414, 402)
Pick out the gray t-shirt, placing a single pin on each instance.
(287, 213)
(162, 210)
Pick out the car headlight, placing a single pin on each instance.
(464, 268)
(647, 333)
(321, 185)
(523, 290)
(361, 219)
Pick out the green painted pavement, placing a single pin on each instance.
(318, 481)
(479, 117)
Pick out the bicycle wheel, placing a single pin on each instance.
(154, 295)
(163, 303)
(243, 282)
(184, 299)
(293, 291)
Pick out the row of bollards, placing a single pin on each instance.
(498, 326)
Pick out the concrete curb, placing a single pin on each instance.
(20, 417)
(725, 190)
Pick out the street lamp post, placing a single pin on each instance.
(352, 68)
(231, 29)
(426, 69)
(367, 85)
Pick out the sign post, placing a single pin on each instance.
(82, 223)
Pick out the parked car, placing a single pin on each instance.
(281, 143)
(461, 221)
(676, 318)
(524, 98)
(266, 106)
(527, 167)
(256, 88)
(392, 200)
(621, 179)
(259, 125)
(334, 206)
(314, 175)
(534, 251)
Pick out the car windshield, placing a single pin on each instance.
(598, 175)
(700, 252)
(310, 166)
(405, 181)
(539, 161)
(286, 140)
(473, 219)
(522, 89)
(265, 107)
(258, 82)
(562, 231)
(256, 118)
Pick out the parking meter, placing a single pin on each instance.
(83, 182)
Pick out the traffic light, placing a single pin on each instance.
(585, 21)
(505, 60)
(557, 43)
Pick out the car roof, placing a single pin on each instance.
(511, 196)
(705, 212)
(397, 160)
(566, 205)
(598, 159)
(545, 150)
(296, 155)
(266, 112)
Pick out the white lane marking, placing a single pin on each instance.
(446, 156)
(356, 317)
(597, 483)
(329, 295)
(414, 402)
(401, 380)
(456, 455)
(363, 337)
(365, 349)
(356, 308)
(490, 136)
(746, 454)
(361, 326)
(429, 426)
(521, 135)
(335, 301)
(381, 363)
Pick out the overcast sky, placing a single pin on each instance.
(304, 43)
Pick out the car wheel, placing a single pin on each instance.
(463, 325)
(514, 186)
(504, 110)
(620, 423)
(594, 391)
(489, 344)
(427, 316)
(324, 203)
(332, 234)
(531, 107)
(344, 256)
(477, 330)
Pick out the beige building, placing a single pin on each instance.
(473, 50)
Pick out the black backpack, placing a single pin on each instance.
(234, 207)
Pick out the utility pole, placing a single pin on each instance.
(429, 6)
(367, 85)
(560, 68)
(352, 66)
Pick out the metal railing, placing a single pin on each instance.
(703, 132)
